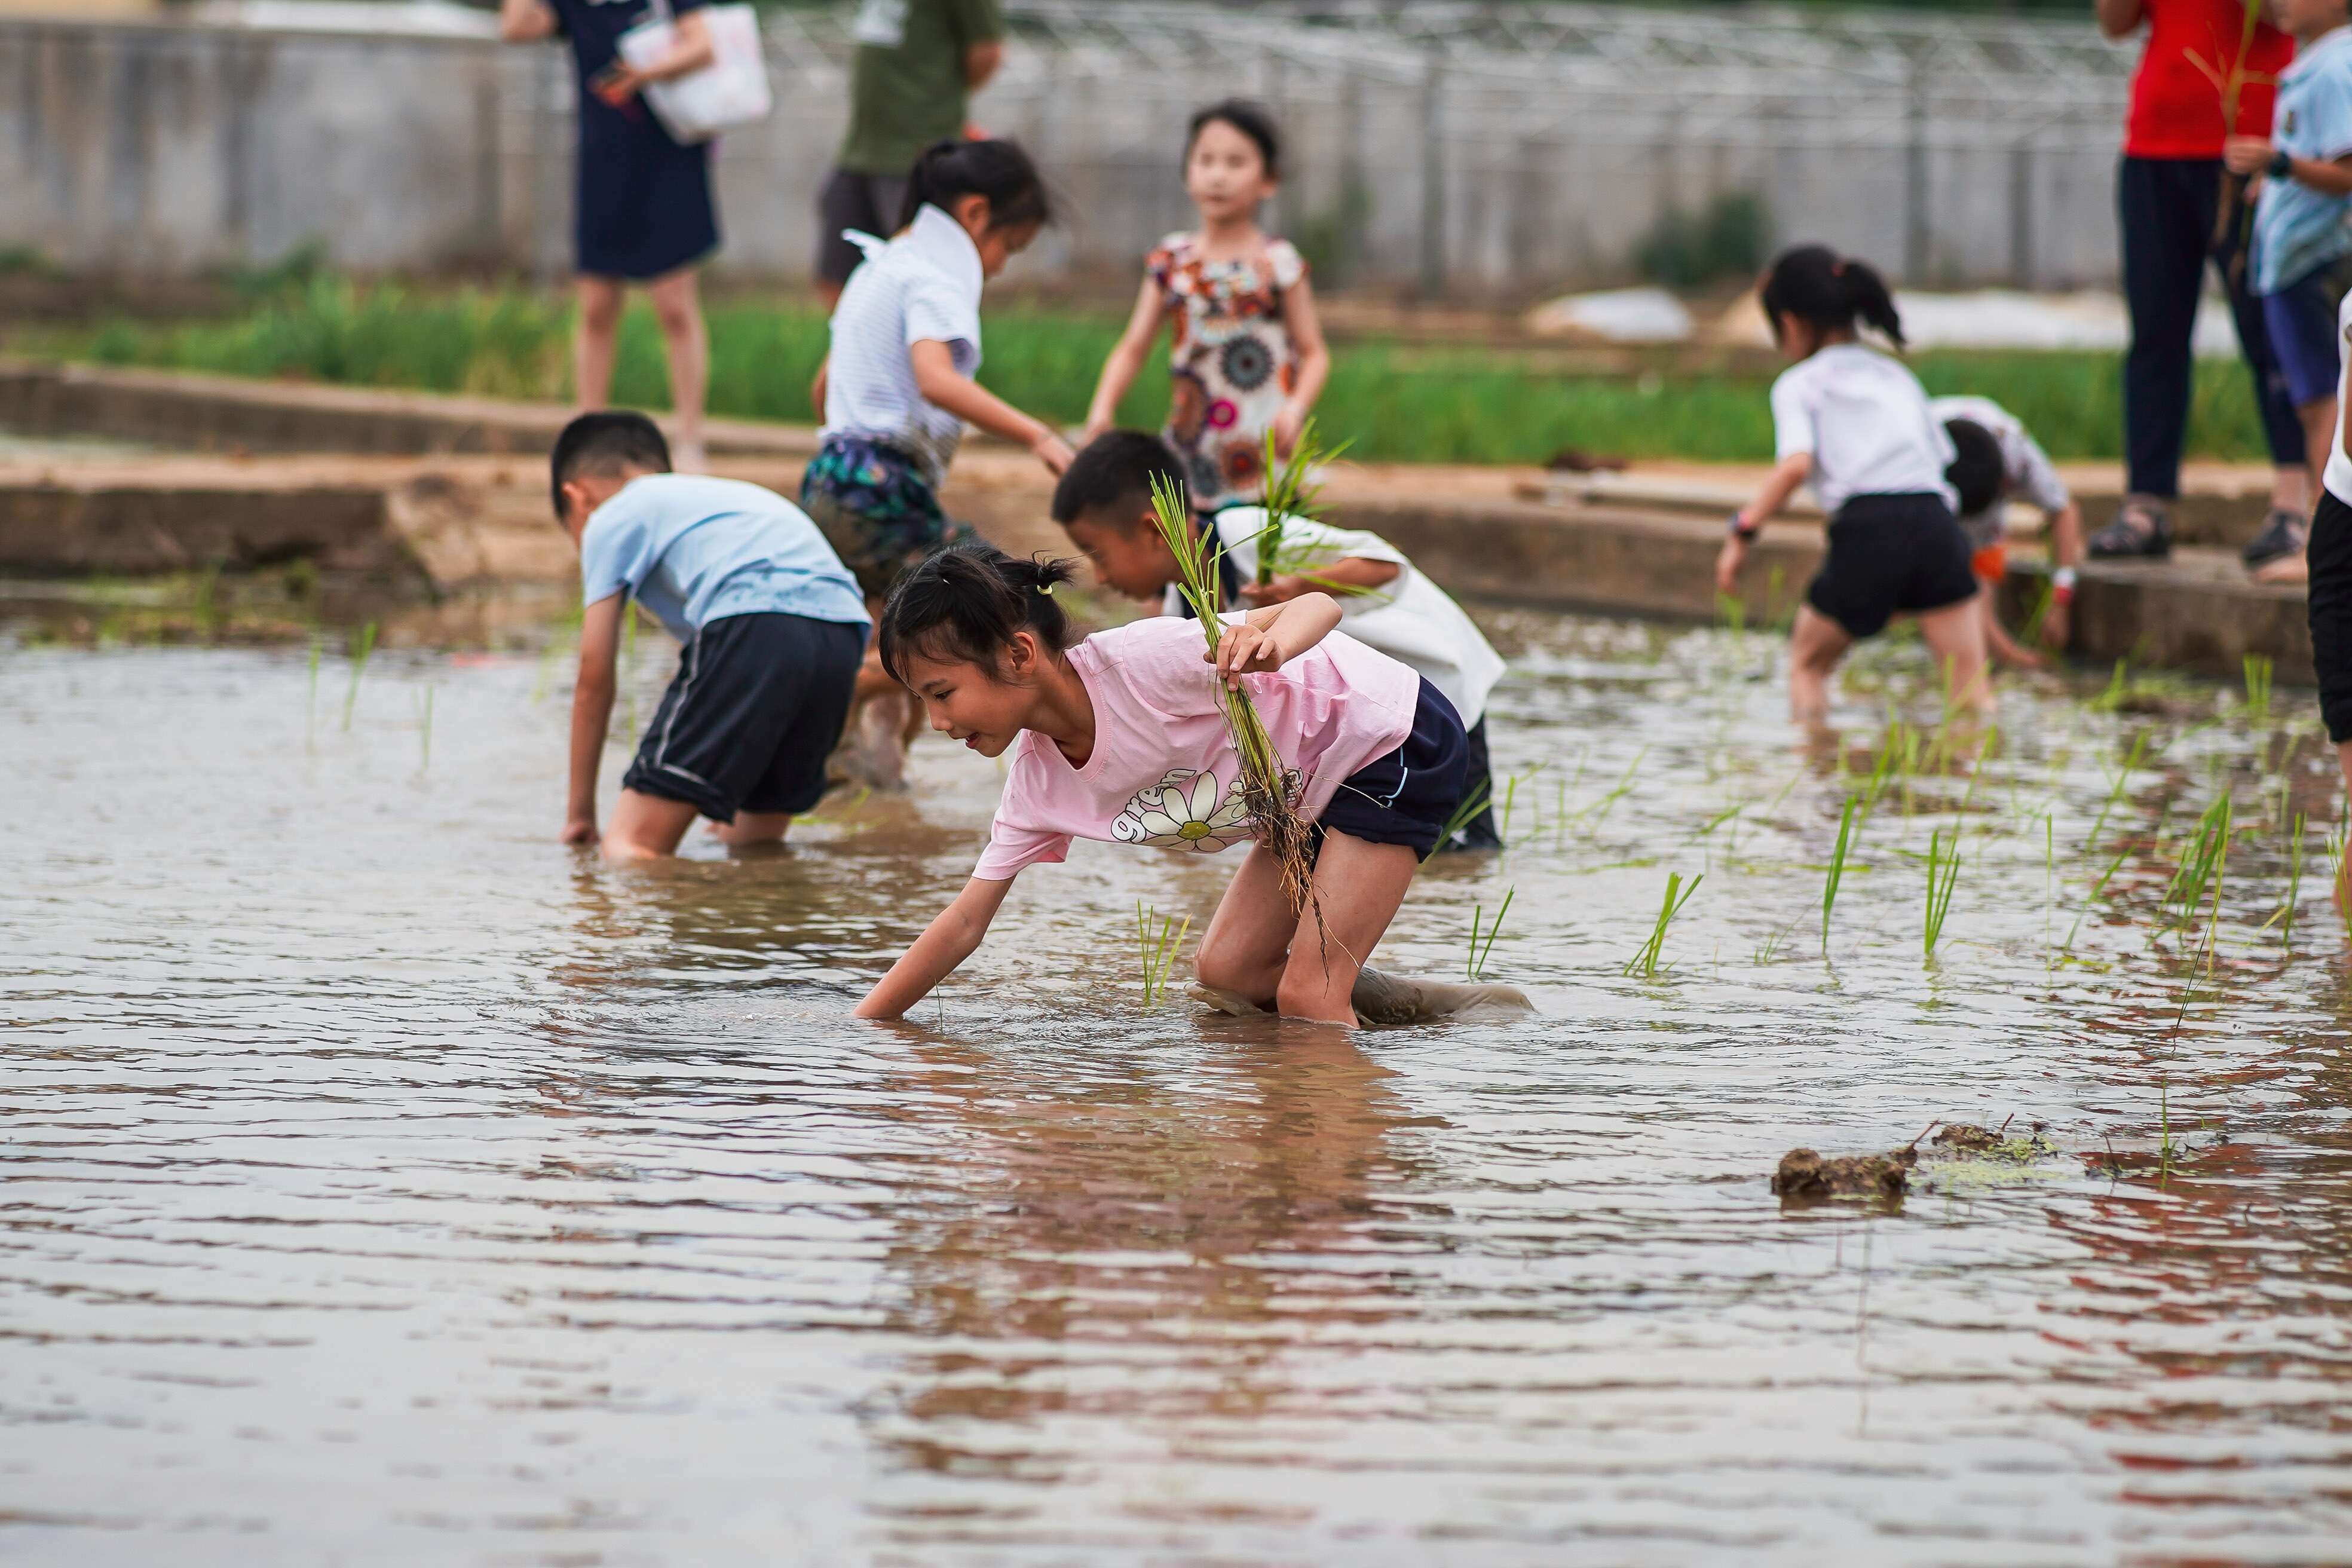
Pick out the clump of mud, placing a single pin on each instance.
(1807, 1176)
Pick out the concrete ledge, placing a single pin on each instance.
(2197, 612)
(229, 414)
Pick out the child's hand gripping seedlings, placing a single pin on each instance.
(1266, 789)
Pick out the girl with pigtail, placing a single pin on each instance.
(1123, 738)
(1854, 425)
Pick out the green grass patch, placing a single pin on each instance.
(1395, 403)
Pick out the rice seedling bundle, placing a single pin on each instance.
(1267, 791)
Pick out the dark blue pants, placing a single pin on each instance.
(2168, 207)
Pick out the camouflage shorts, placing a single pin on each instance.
(873, 506)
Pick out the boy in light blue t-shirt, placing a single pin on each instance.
(2302, 233)
(774, 631)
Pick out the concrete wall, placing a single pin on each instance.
(175, 148)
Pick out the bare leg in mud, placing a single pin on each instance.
(1815, 645)
(1257, 949)
(649, 828)
(1956, 641)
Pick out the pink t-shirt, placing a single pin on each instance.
(1164, 771)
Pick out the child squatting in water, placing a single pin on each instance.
(1122, 737)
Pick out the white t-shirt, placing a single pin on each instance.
(1865, 419)
(2337, 477)
(1409, 617)
(923, 286)
(2026, 473)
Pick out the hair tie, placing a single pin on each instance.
(1046, 589)
(1837, 268)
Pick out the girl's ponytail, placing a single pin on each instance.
(998, 170)
(1818, 286)
(1868, 298)
(964, 605)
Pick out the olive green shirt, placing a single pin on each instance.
(906, 83)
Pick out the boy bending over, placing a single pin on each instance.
(773, 626)
(1995, 461)
(1104, 503)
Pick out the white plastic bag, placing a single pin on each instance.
(731, 91)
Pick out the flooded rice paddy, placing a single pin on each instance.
(388, 1183)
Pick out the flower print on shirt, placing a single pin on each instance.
(1185, 810)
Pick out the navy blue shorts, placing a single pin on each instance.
(755, 709)
(1408, 796)
(2302, 321)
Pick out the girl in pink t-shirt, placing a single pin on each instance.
(1121, 738)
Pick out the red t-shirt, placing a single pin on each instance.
(2176, 108)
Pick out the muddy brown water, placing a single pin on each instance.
(388, 1183)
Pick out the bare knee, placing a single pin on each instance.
(1223, 968)
(600, 311)
(677, 312)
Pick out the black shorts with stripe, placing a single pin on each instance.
(755, 709)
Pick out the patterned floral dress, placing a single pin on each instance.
(1233, 363)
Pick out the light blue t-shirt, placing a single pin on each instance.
(694, 550)
(2296, 228)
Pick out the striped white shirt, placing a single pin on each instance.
(922, 287)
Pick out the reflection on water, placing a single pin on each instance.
(388, 1182)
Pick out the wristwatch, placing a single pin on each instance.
(2281, 166)
(1743, 533)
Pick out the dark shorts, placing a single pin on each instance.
(2302, 321)
(2330, 556)
(751, 715)
(1408, 796)
(875, 508)
(852, 200)
(1890, 554)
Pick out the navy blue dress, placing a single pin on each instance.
(642, 203)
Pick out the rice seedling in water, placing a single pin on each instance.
(1837, 867)
(1645, 963)
(1267, 790)
(2259, 670)
(2201, 859)
(1475, 965)
(365, 645)
(1734, 611)
(2093, 897)
(1770, 948)
(311, 699)
(2293, 882)
(1943, 876)
(2139, 744)
(2112, 698)
(424, 732)
(1156, 949)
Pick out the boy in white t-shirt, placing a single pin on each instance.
(1104, 503)
(1996, 460)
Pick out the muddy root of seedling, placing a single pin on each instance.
(1807, 1176)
